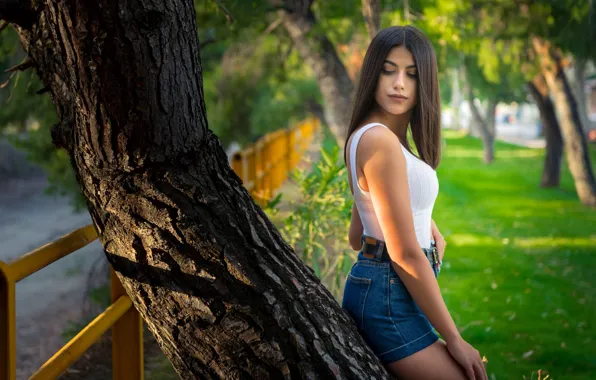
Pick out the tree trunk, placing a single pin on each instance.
(319, 53)
(372, 17)
(551, 172)
(484, 128)
(573, 135)
(491, 117)
(407, 15)
(455, 99)
(579, 73)
(220, 290)
(488, 132)
(476, 121)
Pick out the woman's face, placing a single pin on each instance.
(397, 85)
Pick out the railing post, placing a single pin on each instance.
(8, 347)
(267, 174)
(279, 167)
(258, 194)
(127, 339)
(288, 153)
(237, 166)
(245, 173)
(250, 169)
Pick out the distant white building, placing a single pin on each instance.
(232, 148)
(519, 120)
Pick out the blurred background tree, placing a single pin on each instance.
(269, 63)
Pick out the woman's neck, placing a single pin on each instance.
(398, 124)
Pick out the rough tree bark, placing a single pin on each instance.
(221, 291)
(574, 138)
(551, 173)
(372, 17)
(319, 53)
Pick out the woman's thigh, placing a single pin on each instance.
(432, 363)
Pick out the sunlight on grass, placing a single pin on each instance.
(518, 274)
(520, 154)
(559, 242)
(478, 153)
(461, 240)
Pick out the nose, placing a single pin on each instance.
(399, 80)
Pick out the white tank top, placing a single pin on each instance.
(423, 185)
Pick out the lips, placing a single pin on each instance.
(398, 98)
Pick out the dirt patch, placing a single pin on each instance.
(96, 363)
(40, 331)
(39, 336)
(48, 300)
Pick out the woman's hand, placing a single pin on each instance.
(439, 240)
(468, 358)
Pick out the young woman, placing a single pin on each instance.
(391, 291)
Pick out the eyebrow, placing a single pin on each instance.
(396, 65)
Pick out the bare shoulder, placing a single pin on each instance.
(380, 142)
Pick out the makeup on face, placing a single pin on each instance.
(397, 86)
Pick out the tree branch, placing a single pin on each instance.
(2, 85)
(229, 16)
(273, 26)
(26, 64)
(372, 16)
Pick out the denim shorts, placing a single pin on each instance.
(383, 310)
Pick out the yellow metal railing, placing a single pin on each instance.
(262, 166)
(265, 165)
(124, 320)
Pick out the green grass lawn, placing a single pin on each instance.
(517, 271)
(518, 268)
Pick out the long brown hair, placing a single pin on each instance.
(425, 123)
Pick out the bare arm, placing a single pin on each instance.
(356, 229)
(384, 168)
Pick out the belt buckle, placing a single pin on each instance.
(366, 242)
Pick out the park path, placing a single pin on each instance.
(519, 134)
(47, 300)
